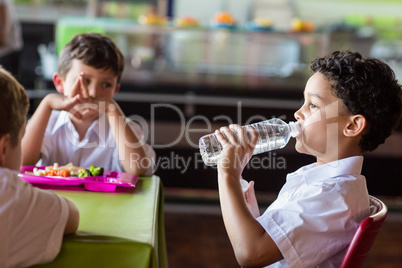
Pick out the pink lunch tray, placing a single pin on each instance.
(106, 183)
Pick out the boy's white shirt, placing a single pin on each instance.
(32, 222)
(317, 213)
(61, 144)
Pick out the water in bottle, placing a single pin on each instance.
(273, 134)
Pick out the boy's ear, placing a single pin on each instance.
(58, 82)
(117, 88)
(4, 143)
(355, 126)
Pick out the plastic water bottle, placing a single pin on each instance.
(273, 134)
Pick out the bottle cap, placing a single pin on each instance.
(295, 128)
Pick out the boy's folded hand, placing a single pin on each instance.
(80, 87)
(86, 106)
(60, 102)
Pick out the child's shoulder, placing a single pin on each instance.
(9, 181)
(6, 172)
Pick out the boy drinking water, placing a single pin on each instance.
(351, 105)
(84, 125)
(33, 221)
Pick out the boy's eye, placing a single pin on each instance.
(106, 85)
(312, 106)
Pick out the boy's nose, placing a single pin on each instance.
(298, 115)
(92, 92)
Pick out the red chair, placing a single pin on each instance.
(365, 235)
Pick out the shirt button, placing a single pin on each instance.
(286, 194)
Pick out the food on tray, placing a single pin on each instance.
(187, 22)
(60, 173)
(99, 183)
(92, 171)
(96, 171)
(68, 170)
(84, 173)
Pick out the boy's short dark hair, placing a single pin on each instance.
(366, 86)
(95, 50)
(14, 104)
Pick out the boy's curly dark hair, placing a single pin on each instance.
(95, 50)
(366, 86)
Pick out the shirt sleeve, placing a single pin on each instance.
(48, 144)
(301, 227)
(38, 219)
(45, 150)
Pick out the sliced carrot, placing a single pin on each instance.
(64, 173)
(51, 173)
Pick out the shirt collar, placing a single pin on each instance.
(62, 119)
(345, 166)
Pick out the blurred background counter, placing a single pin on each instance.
(238, 56)
(178, 78)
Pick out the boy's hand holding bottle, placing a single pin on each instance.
(237, 149)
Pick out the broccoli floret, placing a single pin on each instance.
(90, 172)
(91, 169)
(84, 173)
(98, 171)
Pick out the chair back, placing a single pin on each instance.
(365, 235)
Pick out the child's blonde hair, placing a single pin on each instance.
(14, 104)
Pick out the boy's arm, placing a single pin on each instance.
(73, 218)
(34, 133)
(251, 243)
(36, 127)
(132, 151)
(251, 200)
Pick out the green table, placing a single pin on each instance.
(118, 229)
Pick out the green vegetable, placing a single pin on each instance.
(91, 169)
(97, 171)
(90, 172)
(84, 173)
